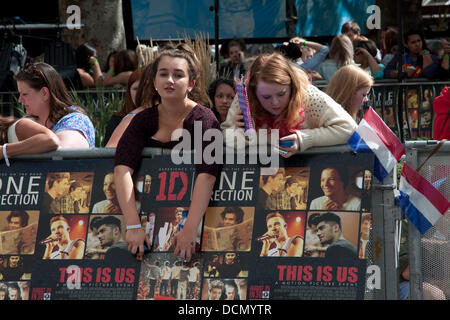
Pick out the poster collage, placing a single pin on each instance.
(417, 111)
(300, 231)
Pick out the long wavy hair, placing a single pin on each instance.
(39, 75)
(345, 83)
(274, 68)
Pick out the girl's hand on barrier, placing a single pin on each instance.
(184, 244)
(290, 149)
(135, 239)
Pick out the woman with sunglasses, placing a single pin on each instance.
(46, 99)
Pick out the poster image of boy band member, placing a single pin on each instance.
(59, 245)
(333, 183)
(67, 192)
(329, 231)
(277, 242)
(364, 241)
(20, 235)
(313, 247)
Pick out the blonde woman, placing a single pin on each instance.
(349, 87)
(341, 54)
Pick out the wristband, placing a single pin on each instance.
(93, 62)
(134, 226)
(110, 72)
(445, 58)
(5, 155)
(304, 43)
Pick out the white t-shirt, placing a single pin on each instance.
(12, 136)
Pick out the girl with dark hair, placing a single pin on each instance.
(221, 92)
(174, 75)
(46, 99)
(125, 62)
(88, 67)
(117, 124)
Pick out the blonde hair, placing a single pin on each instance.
(341, 50)
(274, 68)
(345, 83)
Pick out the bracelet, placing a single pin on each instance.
(5, 155)
(134, 226)
(110, 72)
(304, 43)
(445, 58)
(93, 62)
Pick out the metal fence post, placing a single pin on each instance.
(414, 245)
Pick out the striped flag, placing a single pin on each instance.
(422, 203)
(373, 135)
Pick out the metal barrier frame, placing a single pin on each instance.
(417, 151)
(384, 214)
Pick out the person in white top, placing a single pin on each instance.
(333, 185)
(280, 97)
(25, 136)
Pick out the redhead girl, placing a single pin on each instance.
(281, 97)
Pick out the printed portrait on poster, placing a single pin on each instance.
(284, 189)
(333, 188)
(226, 265)
(224, 289)
(15, 290)
(62, 236)
(332, 235)
(15, 267)
(18, 231)
(148, 224)
(283, 235)
(162, 277)
(364, 238)
(228, 229)
(169, 221)
(106, 240)
(67, 192)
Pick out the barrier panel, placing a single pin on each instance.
(245, 249)
(429, 255)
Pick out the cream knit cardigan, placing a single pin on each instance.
(326, 123)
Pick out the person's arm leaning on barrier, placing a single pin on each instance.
(33, 138)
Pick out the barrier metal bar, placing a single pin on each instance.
(413, 150)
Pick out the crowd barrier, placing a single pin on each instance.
(406, 107)
(162, 187)
(429, 255)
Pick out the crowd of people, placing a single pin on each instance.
(170, 93)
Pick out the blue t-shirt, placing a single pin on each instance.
(79, 122)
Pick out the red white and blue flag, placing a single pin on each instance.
(373, 135)
(422, 203)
